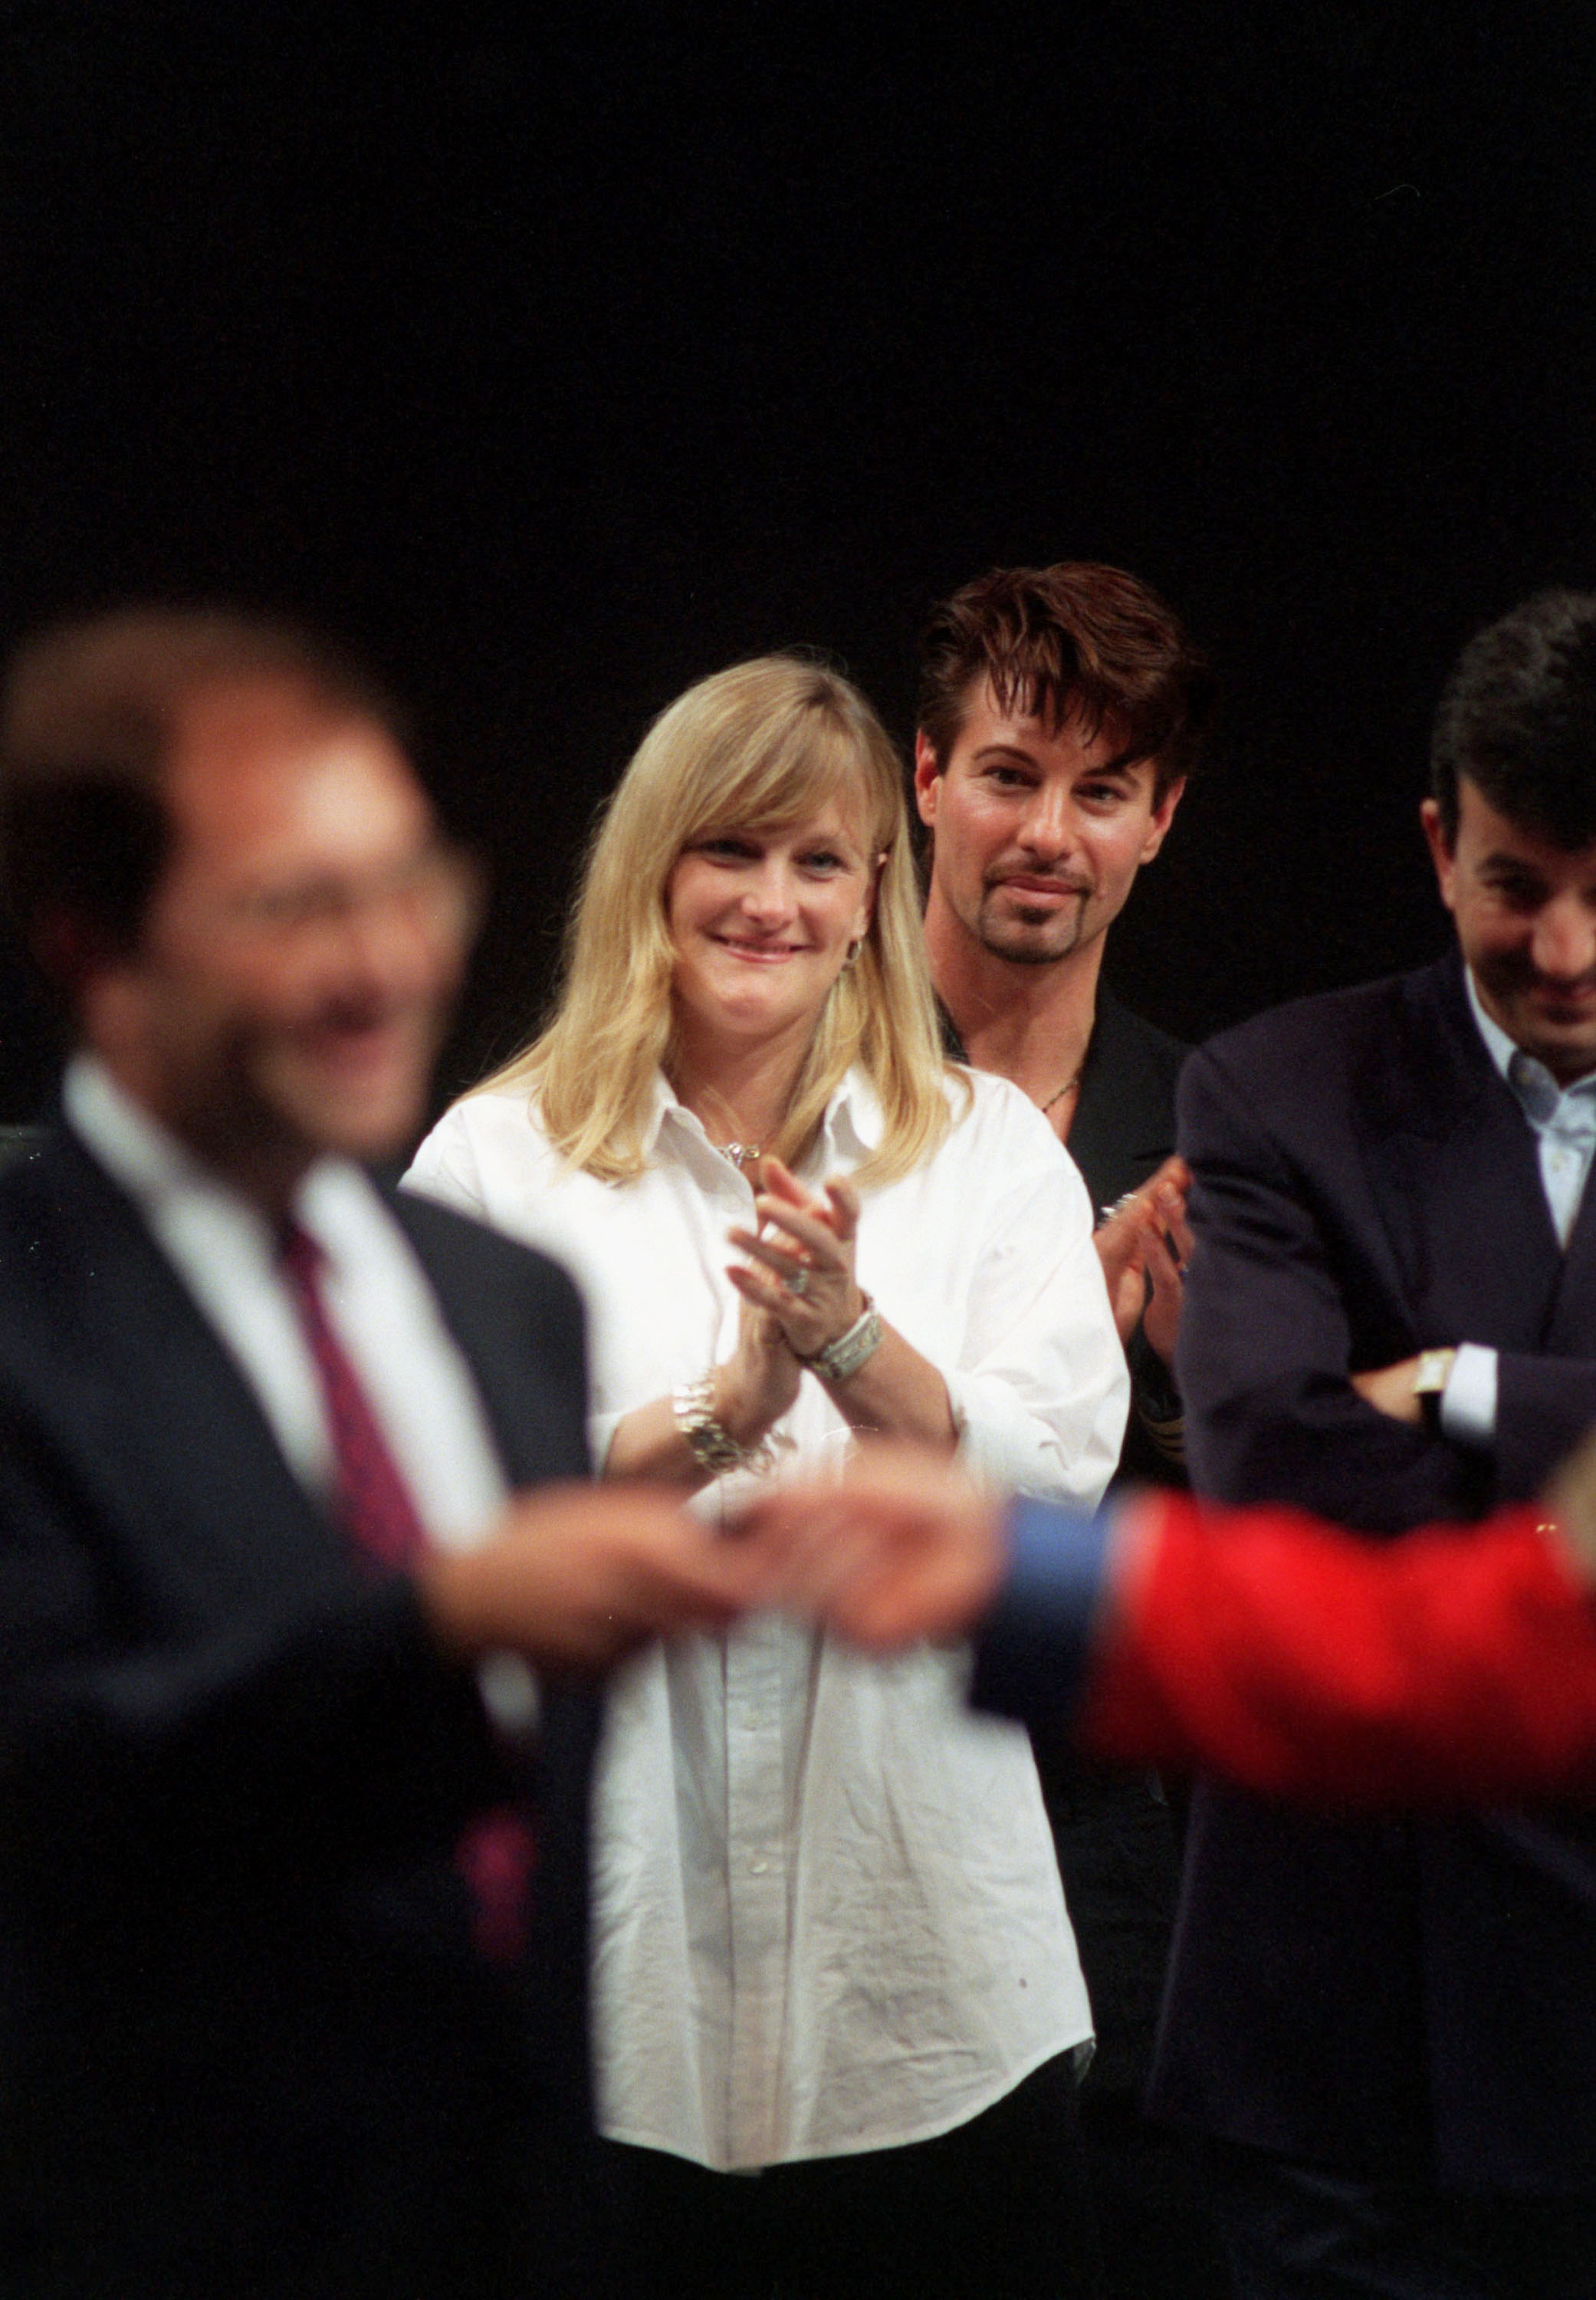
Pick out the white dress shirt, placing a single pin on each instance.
(1563, 1120)
(376, 1295)
(829, 1914)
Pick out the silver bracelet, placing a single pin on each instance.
(848, 1352)
(712, 1446)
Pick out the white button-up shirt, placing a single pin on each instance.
(828, 1915)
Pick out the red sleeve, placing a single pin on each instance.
(1456, 1662)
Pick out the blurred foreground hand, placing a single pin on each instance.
(576, 1576)
(903, 1546)
(1570, 1497)
(1456, 1664)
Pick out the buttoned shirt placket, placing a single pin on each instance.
(1564, 1120)
(759, 1885)
(756, 1865)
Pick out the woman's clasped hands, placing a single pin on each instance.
(800, 1269)
(758, 1383)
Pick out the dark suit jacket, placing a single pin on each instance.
(248, 2045)
(1366, 1187)
(1124, 1124)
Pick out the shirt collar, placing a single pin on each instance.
(854, 1116)
(134, 1147)
(156, 1170)
(1498, 1044)
(662, 1102)
(854, 1122)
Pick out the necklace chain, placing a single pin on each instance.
(1068, 1087)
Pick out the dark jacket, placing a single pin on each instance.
(1122, 1132)
(248, 2045)
(1409, 1995)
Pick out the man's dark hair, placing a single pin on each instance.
(88, 715)
(1517, 716)
(1071, 641)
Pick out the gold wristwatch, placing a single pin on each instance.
(1430, 1378)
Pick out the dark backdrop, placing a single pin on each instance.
(558, 356)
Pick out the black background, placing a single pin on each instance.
(556, 357)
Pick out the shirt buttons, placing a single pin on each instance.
(757, 1867)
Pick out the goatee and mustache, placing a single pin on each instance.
(1023, 916)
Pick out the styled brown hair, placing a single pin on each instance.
(88, 715)
(1072, 641)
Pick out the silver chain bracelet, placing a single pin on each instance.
(848, 1352)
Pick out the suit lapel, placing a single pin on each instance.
(1574, 1312)
(1123, 1128)
(161, 1425)
(160, 1415)
(1452, 1163)
(525, 1351)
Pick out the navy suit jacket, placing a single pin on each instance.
(1418, 1995)
(248, 2045)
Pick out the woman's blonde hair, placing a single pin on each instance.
(765, 745)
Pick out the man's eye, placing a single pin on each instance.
(1009, 777)
(1518, 893)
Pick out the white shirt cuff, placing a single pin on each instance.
(1468, 1400)
(510, 1694)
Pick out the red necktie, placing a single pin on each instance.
(374, 1506)
(496, 1850)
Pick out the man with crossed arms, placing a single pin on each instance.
(1389, 2034)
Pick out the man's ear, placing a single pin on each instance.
(93, 974)
(1440, 853)
(70, 949)
(1161, 817)
(928, 778)
(111, 1007)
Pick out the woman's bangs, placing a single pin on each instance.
(807, 768)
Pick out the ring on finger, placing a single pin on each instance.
(798, 1283)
